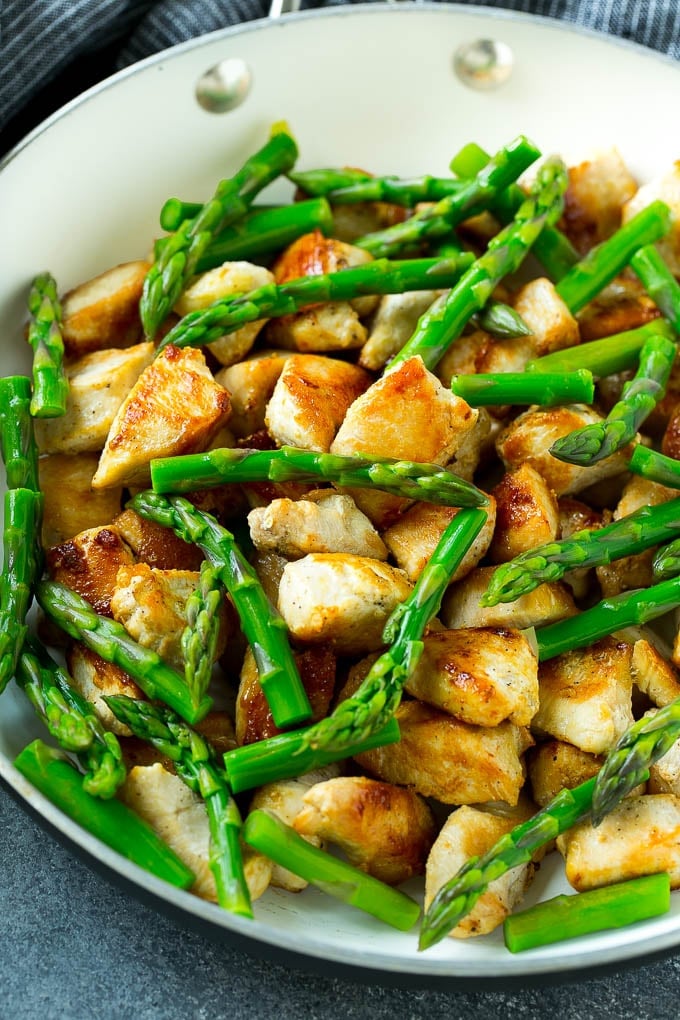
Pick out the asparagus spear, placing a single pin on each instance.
(444, 321)
(630, 609)
(472, 197)
(268, 834)
(168, 276)
(21, 565)
(501, 320)
(655, 466)
(270, 301)
(262, 232)
(659, 282)
(111, 641)
(402, 478)
(199, 638)
(457, 897)
(639, 397)
(50, 385)
(666, 562)
(603, 262)
(646, 527)
(287, 755)
(261, 623)
(174, 212)
(109, 820)
(71, 719)
(17, 441)
(546, 389)
(347, 187)
(565, 917)
(611, 354)
(196, 764)
(379, 694)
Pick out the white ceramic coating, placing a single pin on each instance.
(365, 86)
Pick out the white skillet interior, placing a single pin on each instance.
(364, 86)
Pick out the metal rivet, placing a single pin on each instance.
(224, 86)
(483, 64)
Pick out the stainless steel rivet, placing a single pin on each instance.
(224, 86)
(483, 64)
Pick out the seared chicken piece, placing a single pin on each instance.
(253, 718)
(556, 766)
(621, 306)
(98, 384)
(585, 695)
(577, 516)
(341, 599)
(88, 563)
(670, 444)
(442, 757)
(667, 188)
(94, 677)
(598, 190)
(325, 521)
(653, 674)
(526, 514)
(552, 325)
(406, 414)
(104, 312)
(251, 384)
(178, 816)
(481, 675)
(174, 407)
(528, 440)
(269, 567)
(664, 775)
(480, 352)
(475, 446)
(393, 324)
(639, 837)
(156, 545)
(413, 538)
(227, 280)
(353, 221)
(285, 798)
(84, 508)
(310, 400)
(545, 604)
(469, 832)
(384, 830)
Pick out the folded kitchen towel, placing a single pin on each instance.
(41, 39)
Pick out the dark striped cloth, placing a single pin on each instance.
(41, 39)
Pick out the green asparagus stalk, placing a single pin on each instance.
(546, 389)
(565, 917)
(629, 761)
(262, 625)
(639, 397)
(21, 565)
(347, 187)
(456, 898)
(262, 232)
(17, 440)
(109, 820)
(646, 527)
(552, 248)
(111, 642)
(445, 320)
(280, 842)
(603, 262)
(272, 300)
(177, 263)
(655, 466)
(501, 320)
(196, 764)
(174, 212)
(70, 719)
(378, 696)
(287, 755)
(666, 562)
(659, 282)
(402, 478)
(611, 354)
(50, 385)
(472, 197)
(629, 609)
(199, 638)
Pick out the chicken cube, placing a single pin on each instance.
(310, 400)
(84, 509)
(93, 677)
(341, 599)
(653, 674)
(598, 190)
(156, 545)
(98, 384)
(88, 564)
(667, 188)
(552, 325)
(480, 352)
(664, 774)
(413, 538)
(174, 407)
(480, 675)
(251, 384)
(577, 516)
(104, 312)
(585, 695)
(384, 830)
(557, 765)
(546, 604)
(393, 324)
(325, 521)
(526, 514)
